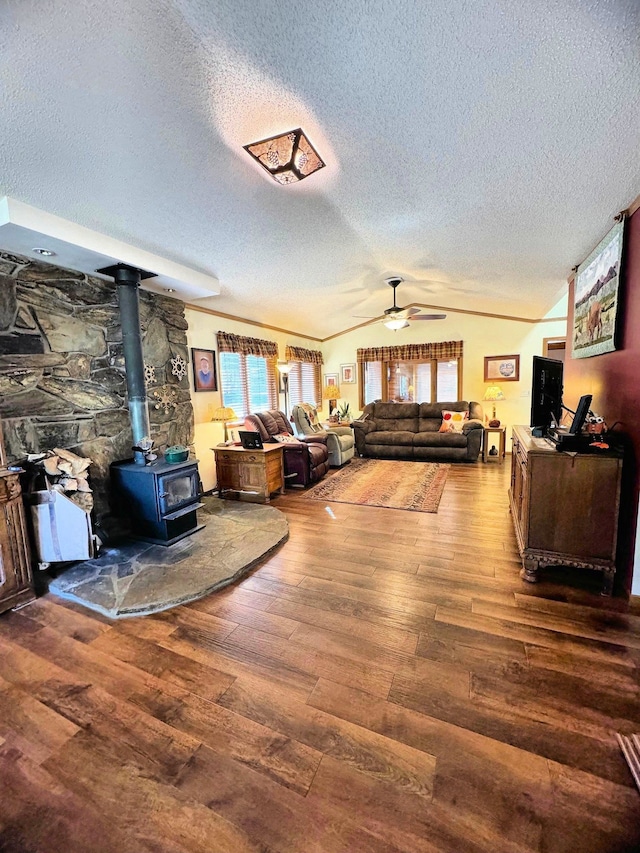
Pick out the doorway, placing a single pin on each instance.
(554, 348)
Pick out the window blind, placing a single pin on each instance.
(247, 373)
(304, 384)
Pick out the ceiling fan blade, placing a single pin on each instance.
(411, 312)
(365, 316)
(428, 317)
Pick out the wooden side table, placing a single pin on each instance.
(501, 444)
(250, 472)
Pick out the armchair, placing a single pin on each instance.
(340, 439)
(306, 460)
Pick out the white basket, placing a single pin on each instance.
(61, 528)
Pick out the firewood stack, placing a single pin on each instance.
(67, 473)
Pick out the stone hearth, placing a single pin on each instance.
(138, 578)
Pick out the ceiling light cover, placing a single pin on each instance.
(400, 323)
(288, 158)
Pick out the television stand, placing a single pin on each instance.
(564, 507)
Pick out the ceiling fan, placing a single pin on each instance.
(398, 318)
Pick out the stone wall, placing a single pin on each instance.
(62, 376)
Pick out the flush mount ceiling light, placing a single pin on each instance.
(288, 158)
(46, 253)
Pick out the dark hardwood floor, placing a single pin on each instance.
(385, 682)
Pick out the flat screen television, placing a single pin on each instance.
(546, 392)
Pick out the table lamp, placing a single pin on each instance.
(494, 394)
(222, 415)
(331, 393)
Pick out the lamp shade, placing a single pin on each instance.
(330, 392)
(494, 393)
(222, 414)
(284, 367)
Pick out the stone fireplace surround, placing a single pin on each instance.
(62, 376)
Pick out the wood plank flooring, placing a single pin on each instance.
(385, 682)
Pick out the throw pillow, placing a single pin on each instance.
(287, 439)
(453, 421)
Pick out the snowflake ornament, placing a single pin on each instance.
(166, 399)
(179, 367)
(149, 374)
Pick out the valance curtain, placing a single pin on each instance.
(247, 346)
(411, 352)
(310, 356)
(247, 385)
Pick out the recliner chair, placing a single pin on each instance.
(306, 460)
(340, 439)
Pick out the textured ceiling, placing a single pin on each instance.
(480, 148)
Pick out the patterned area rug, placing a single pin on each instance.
(415, 486)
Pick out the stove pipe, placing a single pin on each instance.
(127, 279)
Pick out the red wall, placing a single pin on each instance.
(614, 381)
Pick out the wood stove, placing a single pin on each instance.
(160, 500)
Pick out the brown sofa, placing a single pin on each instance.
(411, 431)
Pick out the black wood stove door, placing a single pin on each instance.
(177, 489)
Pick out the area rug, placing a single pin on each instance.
(415, 486)
(139, 578)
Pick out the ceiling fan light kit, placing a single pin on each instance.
(394, 325)
(396, 317)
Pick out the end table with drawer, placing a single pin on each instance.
(256, 473)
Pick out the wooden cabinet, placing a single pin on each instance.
(564, 507)
(255, 472)
(16, 577)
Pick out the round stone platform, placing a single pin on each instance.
(137, 578)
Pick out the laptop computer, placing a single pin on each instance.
(250, 440)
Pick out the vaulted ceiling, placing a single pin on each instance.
(478, 149)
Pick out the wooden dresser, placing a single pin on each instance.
(254, 473)
(564, 506)
(16, 577)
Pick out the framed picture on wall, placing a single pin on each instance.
(501, 368)
(331, 379)
(204, 370)
(347, 374)
(595, 297)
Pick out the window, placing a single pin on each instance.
(448, 381)
(248, 385)
(304, 383)
(305, 379)
(247, 373)
(420, 374)
(372, 381)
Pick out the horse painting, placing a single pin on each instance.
(594, 320)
